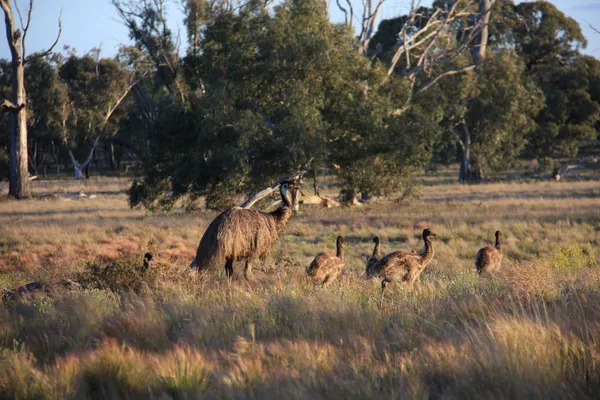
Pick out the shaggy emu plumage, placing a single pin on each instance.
(489, 258)
(376, 255)
(326, 267)
(243, 234)
(403, 266)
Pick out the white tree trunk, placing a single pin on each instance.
(19, 182)
(79, 167)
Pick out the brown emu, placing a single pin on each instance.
(403, 266)
(326, 267)
(489, 258)
(243, 234)
(376, 255)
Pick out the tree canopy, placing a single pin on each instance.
(263, 89)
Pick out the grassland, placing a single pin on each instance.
(531, 331)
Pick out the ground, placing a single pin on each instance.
(533, 330)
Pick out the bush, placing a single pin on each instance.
(546, 164)
(573, 258)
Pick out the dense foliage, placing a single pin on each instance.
(265, 90)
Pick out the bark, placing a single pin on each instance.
(19, 175)
(464, 147)
(33, 161)
(480, 48)
(55, 153)
(479, 54)
(19, 182)
(111, 154)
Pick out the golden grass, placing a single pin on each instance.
(532, 330)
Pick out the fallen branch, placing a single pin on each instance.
(293, 179)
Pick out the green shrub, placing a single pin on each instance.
(573, 258)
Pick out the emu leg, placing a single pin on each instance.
(330, 278)
(384, 283)
(229, 268)
(248, 270)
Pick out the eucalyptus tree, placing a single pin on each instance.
(550, 44)
(17, 104)
(94, 90)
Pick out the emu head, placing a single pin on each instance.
(147, 261)
(427, 233)
(289, 195)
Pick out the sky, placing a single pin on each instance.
(93, 23)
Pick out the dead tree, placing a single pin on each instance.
(17, 105)
(428, 51)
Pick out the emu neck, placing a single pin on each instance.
(376, 250)
(340, 253)
(498, 243)
(428, 252)
(282, 216)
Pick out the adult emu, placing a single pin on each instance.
(242, 234)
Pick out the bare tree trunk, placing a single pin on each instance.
(464, 146)
(33, 159)
(464, 164)
(19, 183)
(479, 54)
(19, 175)
(55, 153)
(78, 168)
(111, 154)
(480, 48)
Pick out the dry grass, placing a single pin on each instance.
(532, 330)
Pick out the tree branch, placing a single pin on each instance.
(449, 72)
(119, 101)
(24, 27)
(8, 105)
(344, 11)
(294, 178)
(263, 114)
(47, 52)
(11, 31)
(91, 153)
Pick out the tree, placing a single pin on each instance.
(94, 90)
(17, 106)
(283, 89)
(500, 115)
(571, 110)
(429, 44)
(549, 43)
(44, 109)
